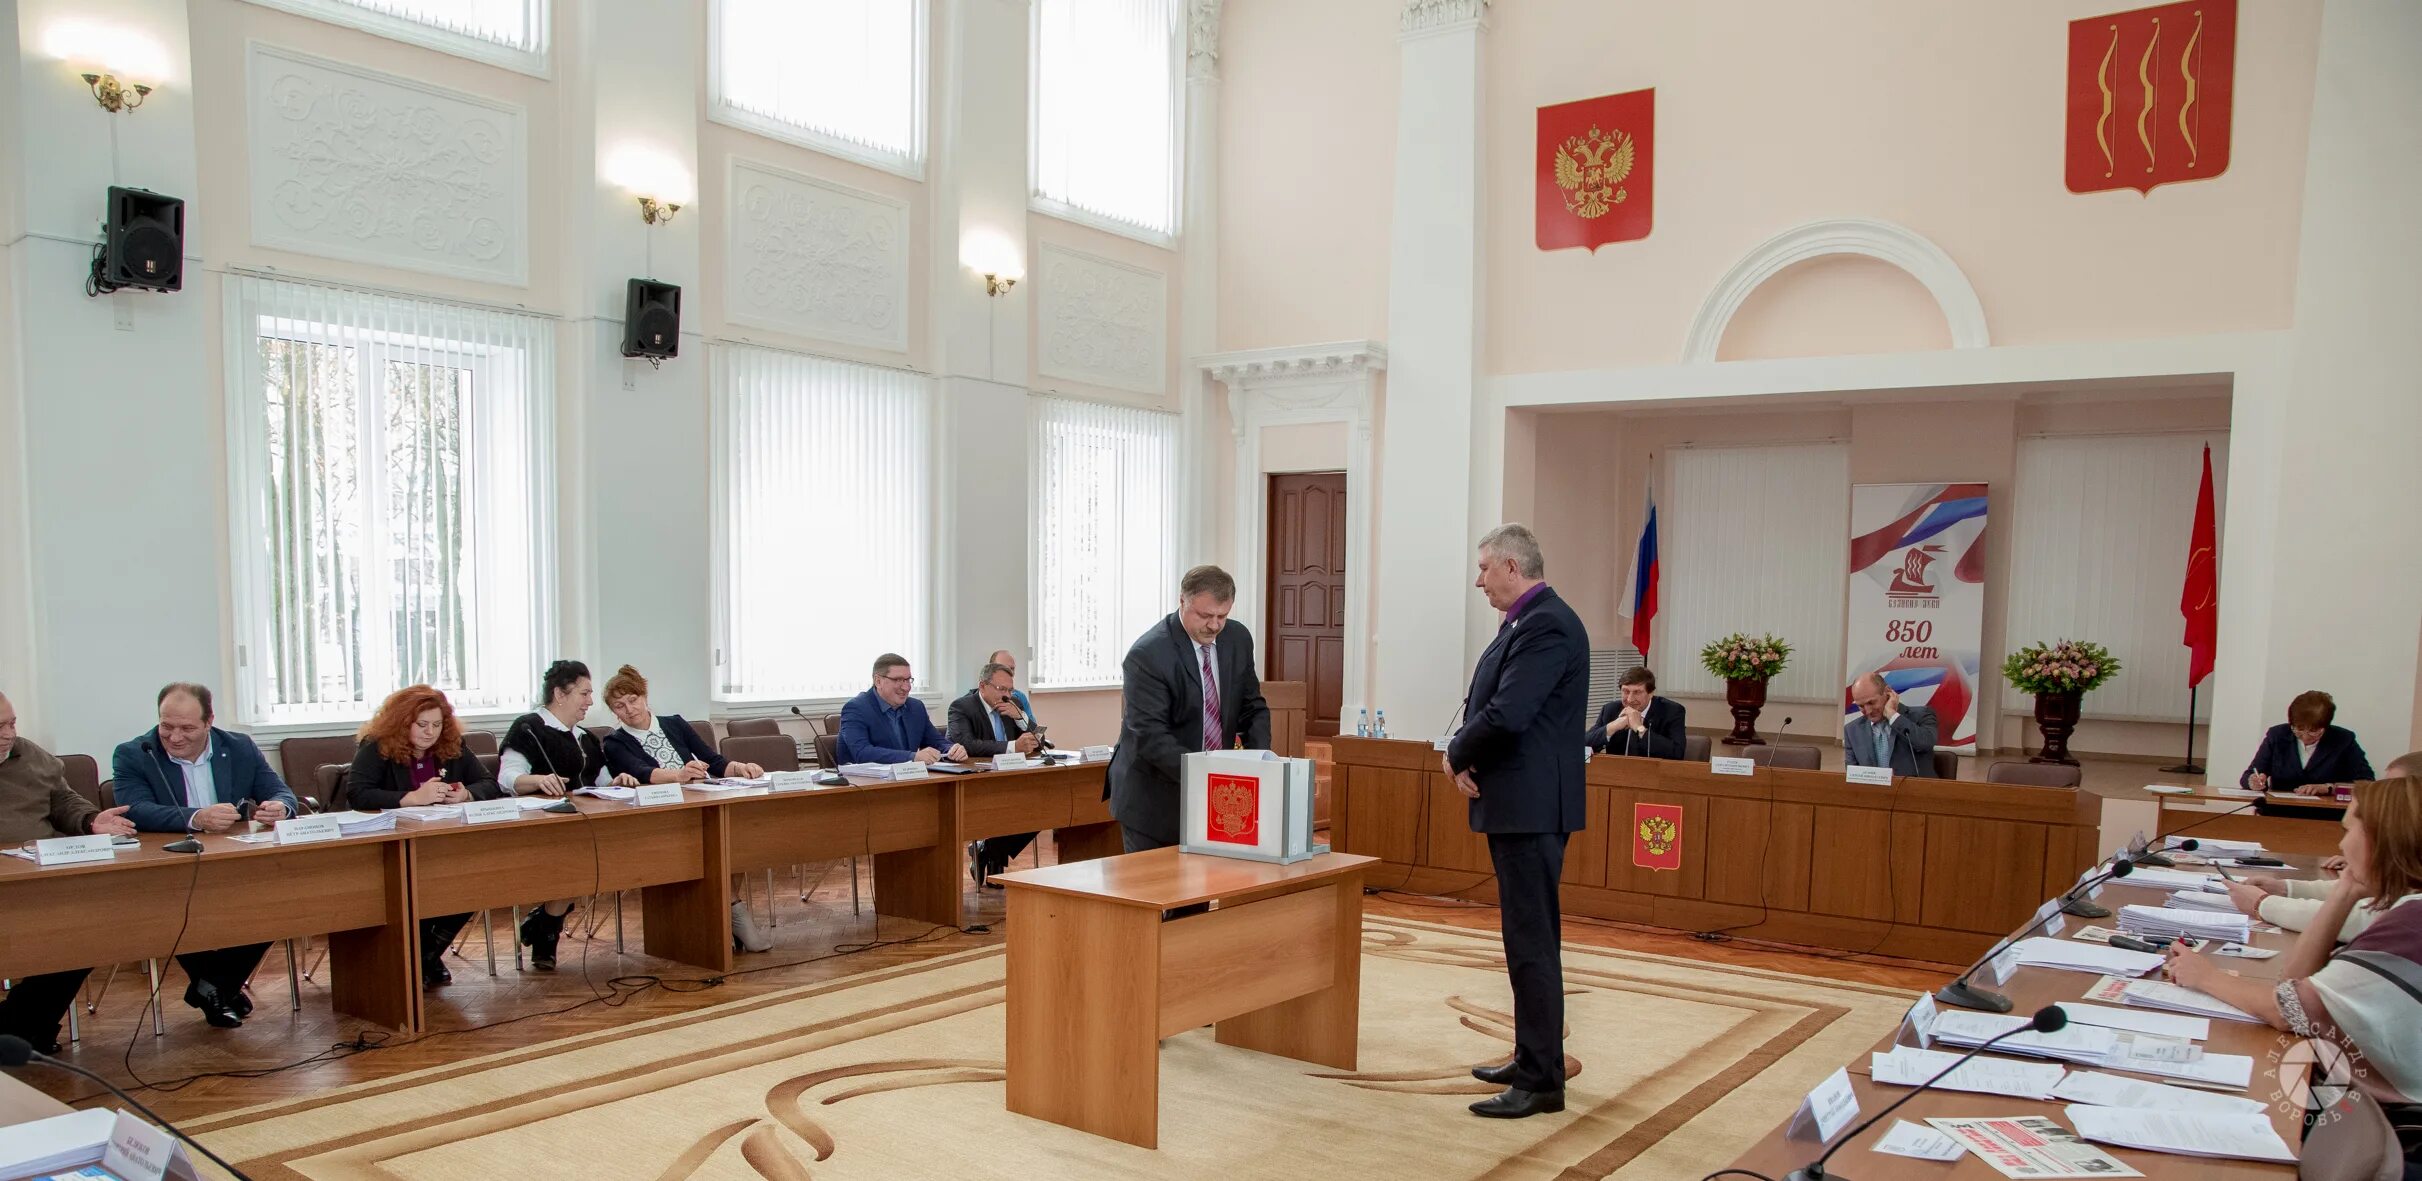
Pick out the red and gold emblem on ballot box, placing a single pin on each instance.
(2150, 94)
(1235, 809)
(1656, 836)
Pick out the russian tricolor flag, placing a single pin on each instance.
(1640, 605)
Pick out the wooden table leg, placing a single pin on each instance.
(1086, 842)
(691, 922)
(1084, 1006)
(374, 972)
(1321, 1026)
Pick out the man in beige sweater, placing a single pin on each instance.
(37, 804)
(2291, 905)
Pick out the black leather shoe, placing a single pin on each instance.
(1496, 1076)
(434, 974)
(202, 995)
(240, 1004)
(1516, 1103)
(975, 862)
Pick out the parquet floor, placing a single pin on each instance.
(816, 939)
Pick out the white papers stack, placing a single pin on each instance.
(425, 813)
(2200, 900)
(55, 1145)
(867, 770)
(2109, 1090)
(1908, 1066)
(726, 786)
(2234, 1137)
(2160, 994)
(2071, 955)
(533, 803)
(2166, 879)
(354, 824)
(620, 795)
(2091, 1045)
(2230, 1071)
(2217, 846)
(1908, 1139)
(2171, 1025)
(2173, 921)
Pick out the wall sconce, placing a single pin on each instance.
(999, 284)
(994, 256)
(653, 211)
(111, 94)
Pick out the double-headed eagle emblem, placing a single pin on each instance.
(1591, 169)
(1657, 835)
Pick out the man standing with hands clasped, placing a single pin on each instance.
(1519, 759)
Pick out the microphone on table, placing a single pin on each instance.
(1968, 996)
(2049, 1019)
(16, 1051)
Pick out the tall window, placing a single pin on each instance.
(1754, 539)
(1105, 549)
(509, 33)
(820, 471)
(393, 471)
(841, 76)
(2098, 551)
(1106, 134)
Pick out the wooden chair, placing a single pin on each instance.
(752, 728)
(1946, 765)
(1695, 748)
(774, 752)
(480, 742)
(1798, 758)
(299, 760)
(84, 774)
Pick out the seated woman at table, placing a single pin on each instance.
(2307, 755)
(661, 748)
(2367, 995)
(412, 754)
(2292, 903)
(546, 753)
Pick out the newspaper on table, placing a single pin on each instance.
(2031, 1146)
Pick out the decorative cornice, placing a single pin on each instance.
(1295, 364)
(1435, 16)
(1899, 245)
(1202, 39)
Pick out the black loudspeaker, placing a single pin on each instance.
(142, 242)
(651, 320)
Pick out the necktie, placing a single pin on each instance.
(1883, 745)
(1213, 739)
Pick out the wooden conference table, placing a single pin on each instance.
(2029, 989)
(367, 893)
(1928, 869)
(2211, 811)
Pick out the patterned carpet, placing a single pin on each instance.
(1675, 1067)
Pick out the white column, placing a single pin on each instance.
(1198, 303)
(1425, 529)
(638, 516)
(107, 388)
(2345, 546)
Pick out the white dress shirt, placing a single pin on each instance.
(514, 764)
(201, 790)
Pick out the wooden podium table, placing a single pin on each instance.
(1097, 976)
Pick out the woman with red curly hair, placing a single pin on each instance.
(412, 754)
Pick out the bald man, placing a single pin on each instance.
(36, 804)
(1888, 732)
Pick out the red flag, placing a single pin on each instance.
(2200, 601)
(1596, 169)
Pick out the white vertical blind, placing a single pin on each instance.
(1754, 539)
(835, 74)
(2098, 551)
(510, 33)
(1106, 78)
(1105, 561)
(392, 469)
(821, 527)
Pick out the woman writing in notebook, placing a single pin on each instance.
(546, 753)
(661, 748)
(2366, 996)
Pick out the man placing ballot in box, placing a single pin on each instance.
(1518, 757)
(1190, 686)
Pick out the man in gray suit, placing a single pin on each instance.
(1190, 686)
(1888, 733)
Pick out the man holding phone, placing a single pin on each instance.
(988, 721)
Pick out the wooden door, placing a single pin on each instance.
(1307, 592)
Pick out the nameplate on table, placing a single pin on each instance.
(2050, 907)
(1921, 1020)
(1011, 762)
(491, 811)
(1099, 754)
(304, 830)
(658, 793)
(1998, 968)
(911, 769)
(1726, 766)
(2055, 925)
(1871, 776)
(74, 850)
(790, 781)
(1826, 1111)
(138, 1151)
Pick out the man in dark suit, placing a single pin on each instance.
(989, 721)
(1518, 758)
(1888, 732)
(1190, 686)
(1638, 722)
(188, 775)
(2306, 756)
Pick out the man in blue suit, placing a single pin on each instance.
(886, 725)
(1888, 732)
(1519, 759)
(188, 776)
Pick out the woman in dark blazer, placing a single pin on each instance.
(661, 748)
(2307, 757)
(412, 754)
(546, 753)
